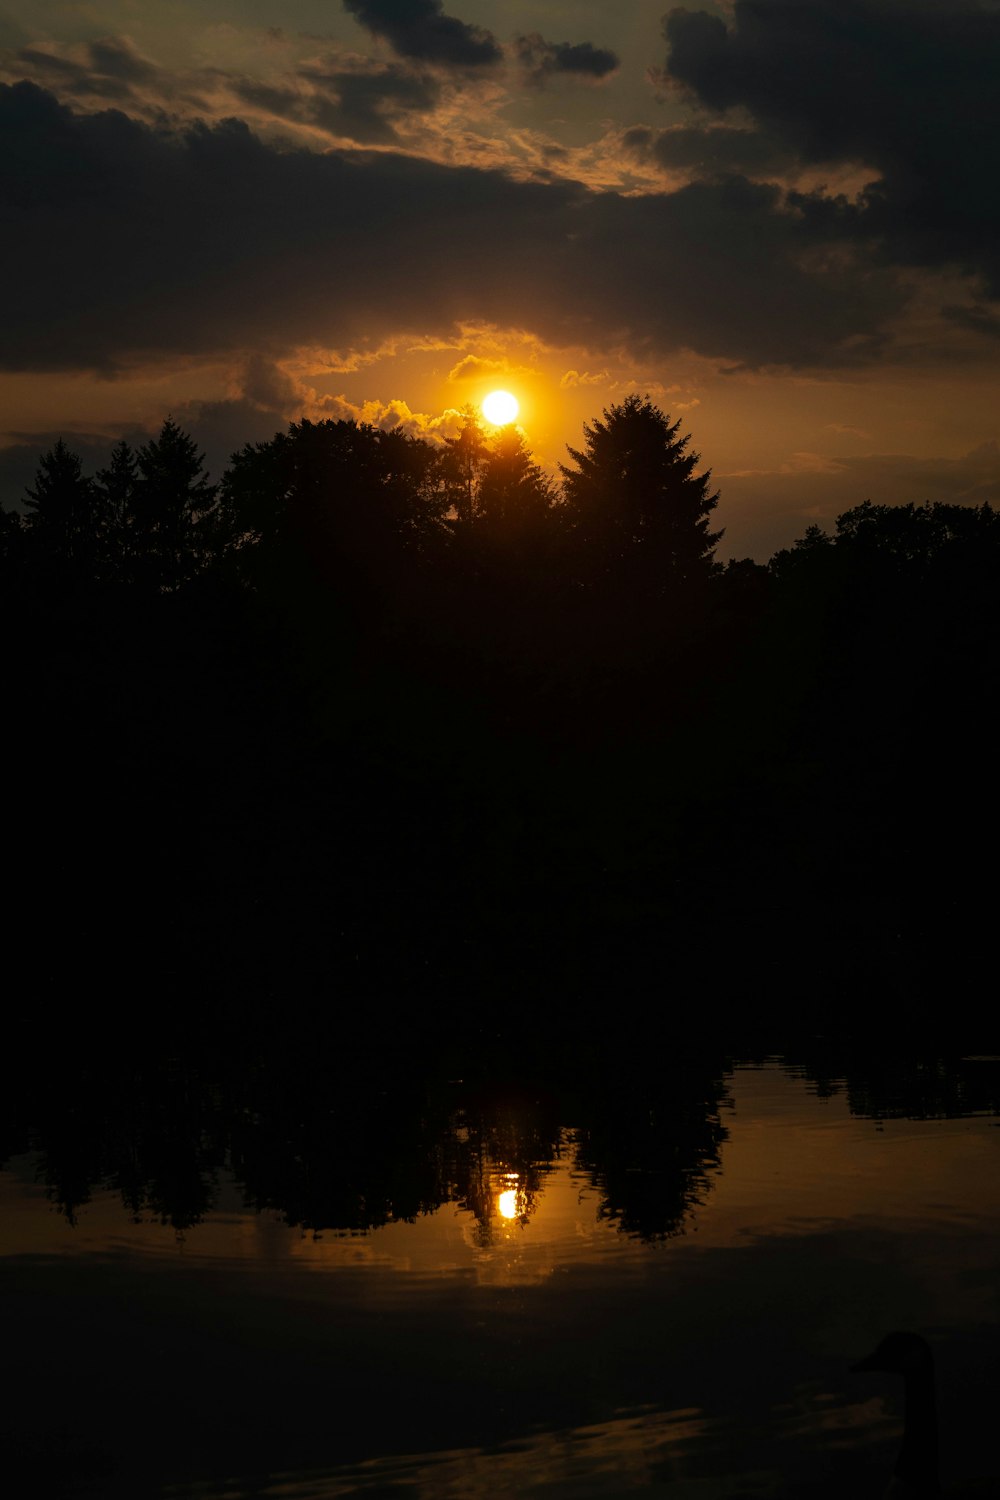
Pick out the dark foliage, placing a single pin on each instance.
(636, 500)
(373, 718)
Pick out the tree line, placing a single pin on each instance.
(151, 519)
(373, 713)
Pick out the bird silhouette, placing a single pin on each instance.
(916, 1475)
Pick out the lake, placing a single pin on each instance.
(319, 1280)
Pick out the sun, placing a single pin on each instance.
(500, 407)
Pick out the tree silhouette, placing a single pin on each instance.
(918, 534)
(462, 465)
(514, 493)
(11, 541)
(66, 518)
(634, 496)
(116, 487)
(171, 510)
(337, 494)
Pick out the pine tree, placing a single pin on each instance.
(116, 487)
(514, 492)
(65, 520)
(634, 499)
(11, 542)
(171, 510)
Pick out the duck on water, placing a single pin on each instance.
(916, 1475)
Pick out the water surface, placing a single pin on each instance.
(655, 1288)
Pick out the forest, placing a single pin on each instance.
(371, 721)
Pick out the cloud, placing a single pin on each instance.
(977, 318)
(542, 60)
(109, 69)
(357, 103)
(452, 116)
(221, 428)
(419, 29)
(577, 377)
(343, 96)
(97, 73)
(711, 151)
(117, 57)
(478, 367)
(268, 396)
(473, 367)
(127, 241)
(268, 386)
(390, 416)
(906, 87)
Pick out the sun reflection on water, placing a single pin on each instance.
(507, 1204)
(512, 1199)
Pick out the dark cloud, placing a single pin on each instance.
(123, 241)
(348, 98)
(906, 87)
(976, 318)
(108, 70)
(72, 78)
(713, 151)
(542, 59)
(419, 29)
(115, 57)
(221, 428)
(362, 105)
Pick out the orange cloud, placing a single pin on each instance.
(472, 367)
(388, 416)
(577, 377)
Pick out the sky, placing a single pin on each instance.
(777, 218)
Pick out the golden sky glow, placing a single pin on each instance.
(808, 377)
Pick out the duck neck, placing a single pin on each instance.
(917, 1464)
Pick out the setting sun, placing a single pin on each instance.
(500, 407)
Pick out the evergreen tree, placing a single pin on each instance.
(513, 490)
(172, 508)
(65, 520)
(11, 542)
(116, 486)
(634, 499)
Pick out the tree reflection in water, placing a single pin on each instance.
(509, 1344)
(330, 1149)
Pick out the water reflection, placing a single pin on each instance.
(643, 1279)
(507, 1206)
(360, 1153)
